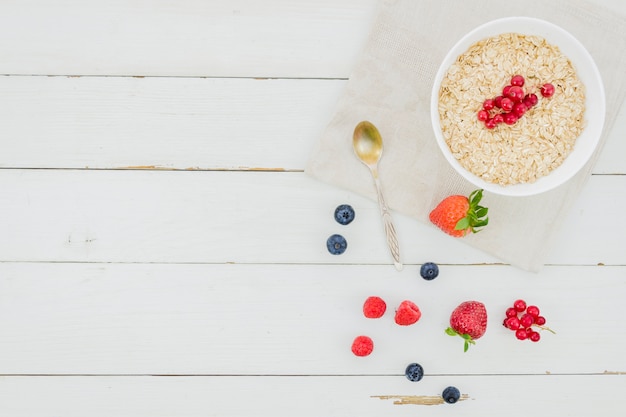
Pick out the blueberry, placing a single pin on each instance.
(429, 271)
(336, 244)
(344, 214)
(451, 395)
(414, 372)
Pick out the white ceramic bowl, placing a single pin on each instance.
(586, 71)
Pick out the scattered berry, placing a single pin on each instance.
(336, 244)
(510, 118)
(547, 90)
(344, 214)
(519, 109)
(514, 101)
(451, 395)
(489, 104)
(458, 215)
(531, 100)
(429, 271)
(512, 323)
(362, 346)
(483, 115)
(526, 320)
(407, 313)
(523, 319)
(469, 321)
(506, 104)
(374, 307)
(414, 372)
(516, 94)
(533, 310)
(517, 80)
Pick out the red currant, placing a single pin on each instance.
(483, 115)
(519, 305)
(521, 334)
(517, 80)
(531, 100)
(488, 104)
(498, 118)
(512, 323)
(515, 93)
(519, 109)
(505, 90)
(540, 320)
(497, 102)
(534, 336)
(533, 310)
(511, 312)
(547, 90)
(510, 118)
(526, 320)
(506, 104)
(490, 123)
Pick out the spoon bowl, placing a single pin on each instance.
(368, 147)
(368, 143)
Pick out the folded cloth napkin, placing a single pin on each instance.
(391, 87)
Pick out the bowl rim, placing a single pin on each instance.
(594, 126)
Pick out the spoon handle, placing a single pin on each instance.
(390, 230)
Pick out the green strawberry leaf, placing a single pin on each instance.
(462, 224)
(451, 332)
(466, 346)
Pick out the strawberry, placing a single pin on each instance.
(458, 215)
(407, 313)
(468, 320)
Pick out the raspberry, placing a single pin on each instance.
(362, 346)
(374, 307)
(407, 313)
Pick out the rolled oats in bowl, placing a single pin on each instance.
(531, 151)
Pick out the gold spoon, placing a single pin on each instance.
(368, 146)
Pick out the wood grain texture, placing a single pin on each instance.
(163, 254)
(308, 396)
(180, 123)
(174, 319)
(250, 217)
(272, 38)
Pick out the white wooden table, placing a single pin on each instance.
(163, 253)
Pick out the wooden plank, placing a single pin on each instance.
(167, 123)
(273, 38)
(308, 396)
(180, 123)
(249, 217)
(192, 319)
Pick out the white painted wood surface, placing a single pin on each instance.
(162, 252)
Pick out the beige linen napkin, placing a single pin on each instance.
(391, 85)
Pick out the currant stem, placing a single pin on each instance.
(545, 328)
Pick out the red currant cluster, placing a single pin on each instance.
(521, 319)
(513, 103)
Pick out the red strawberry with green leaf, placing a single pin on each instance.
(468, 320)
(458, 215)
